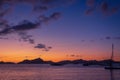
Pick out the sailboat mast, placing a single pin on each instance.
(111, 60)
(112, 51)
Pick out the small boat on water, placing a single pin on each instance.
(111, 67)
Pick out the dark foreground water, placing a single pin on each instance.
(47, 72)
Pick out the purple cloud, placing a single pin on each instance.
(43, 46)
(90, 3)
(25, 26)
(26, 38)
(54, 16)
(102, 6)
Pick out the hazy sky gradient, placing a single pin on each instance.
(74, 34)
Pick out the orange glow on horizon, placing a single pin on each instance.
(51, 57)
(17, 53)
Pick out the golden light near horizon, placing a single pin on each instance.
(69, 30)
(16, 53)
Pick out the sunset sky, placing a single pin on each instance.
(59, 29)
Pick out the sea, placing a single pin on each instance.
(48, 72)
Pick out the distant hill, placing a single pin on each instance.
(41, 61)
(64, 62)
(34, 61)
(1, 62)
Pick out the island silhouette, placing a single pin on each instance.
(64, 62)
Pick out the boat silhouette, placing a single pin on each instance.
(111, 67)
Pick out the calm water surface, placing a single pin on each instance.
(47, 72)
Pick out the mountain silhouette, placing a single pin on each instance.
(34, 61)
(64, 62)
(1, 62)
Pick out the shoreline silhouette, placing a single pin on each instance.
(64, 62)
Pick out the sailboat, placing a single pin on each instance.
(111, 61)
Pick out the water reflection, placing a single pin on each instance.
(111, 75)
(46, 72)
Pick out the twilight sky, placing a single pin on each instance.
(59, 29)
